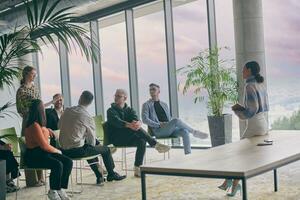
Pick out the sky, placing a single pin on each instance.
(282, 41)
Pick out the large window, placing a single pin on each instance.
(81, 76)
(113, 57)
(49, 72)
(191, 36)
(151, 50)
(281, 29)
(225, 37)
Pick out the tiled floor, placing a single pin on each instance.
(175, 188)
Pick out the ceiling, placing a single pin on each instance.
(12, 12)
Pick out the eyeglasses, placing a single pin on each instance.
(153, 89)
(119, 96)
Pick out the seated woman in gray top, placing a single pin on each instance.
(254, 110)
(156, 115)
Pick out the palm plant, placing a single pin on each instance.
(214, 75)
(45, 22)
(4, 112)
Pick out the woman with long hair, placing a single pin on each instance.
(26, 92)
(40, 154)
(254, 111)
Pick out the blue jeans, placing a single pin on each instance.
(176, 128)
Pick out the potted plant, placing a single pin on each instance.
(207, 72)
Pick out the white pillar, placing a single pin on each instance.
(249, 39)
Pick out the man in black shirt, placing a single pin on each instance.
(53, 115)
(156, 115)
(124, 128)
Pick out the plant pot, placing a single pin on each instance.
(220, 128)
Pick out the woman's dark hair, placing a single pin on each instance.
(25, 72)
(36, 113)
(255, 69)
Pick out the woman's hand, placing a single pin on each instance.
(58, 151)
(51, 133)
(237, 107)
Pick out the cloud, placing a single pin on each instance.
(114, 75)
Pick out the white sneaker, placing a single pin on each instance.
(63, 195)
(53, 195)
(162, 148)
(137, 171)
(200, 134)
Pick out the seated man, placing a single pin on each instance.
(78, 139)
(125, 129)
(53, 115)
(12, 170)
(156, 115)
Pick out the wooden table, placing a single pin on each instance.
(238, 160)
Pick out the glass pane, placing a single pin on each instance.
(191, 36)
(49, 69)
(151, 50)
(282, 62)
(225, 36)
(81, 77)
(113, 57)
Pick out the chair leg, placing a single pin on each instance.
(45, 173)
(145, 157)
(76, 171)
(18, 184)
(72, 185)
(124, 159)
(81, 187)
(164, 152)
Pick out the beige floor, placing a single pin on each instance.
(178, 188)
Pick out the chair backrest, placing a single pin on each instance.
(99, 127)
(9, 136)
(106, 140)
(22, 145)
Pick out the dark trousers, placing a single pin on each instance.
(11, 163)
(89, 150)
(60, 166)
(128, 137)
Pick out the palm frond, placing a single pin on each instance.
(52, 22)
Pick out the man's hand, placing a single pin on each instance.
(7, 147)
(163, 124)
(136, 124)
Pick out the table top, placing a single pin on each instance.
(238, 159)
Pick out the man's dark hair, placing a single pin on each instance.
(36, 113)
(57, 94)
(154, 85)
(86, 97)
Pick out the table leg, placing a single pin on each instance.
(244, 186)
(275, 181)
(143, 181)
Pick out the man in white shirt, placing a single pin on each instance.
(78, 139)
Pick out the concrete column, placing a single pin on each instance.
(249, 39)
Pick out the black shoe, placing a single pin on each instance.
(100, 181)
(115, 177)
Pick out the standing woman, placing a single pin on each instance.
(26, 92)
(40, 154)
(254, 111)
